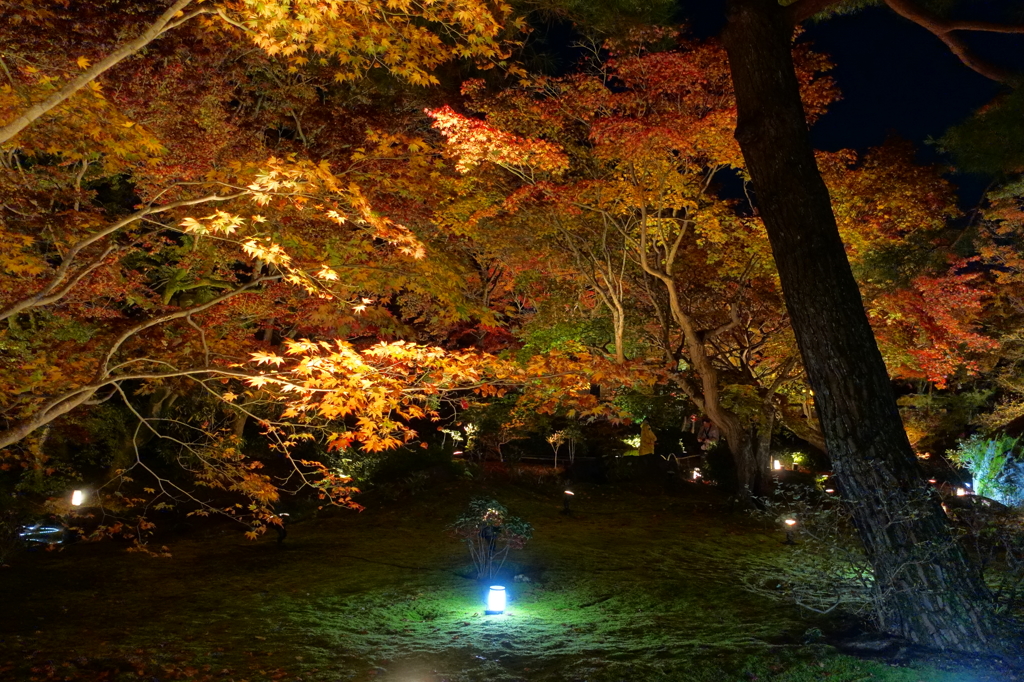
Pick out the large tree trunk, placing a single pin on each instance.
(929, 590)
(750, 448)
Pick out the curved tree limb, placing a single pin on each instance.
(944, 30)
(152, 32)
(57, 287)
(76, 397)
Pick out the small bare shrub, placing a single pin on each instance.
(490, 532)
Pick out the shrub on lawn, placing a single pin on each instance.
(490, 532)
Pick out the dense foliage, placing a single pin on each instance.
(241, 246)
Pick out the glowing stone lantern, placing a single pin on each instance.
(495, 600)
(77, 497)
(960, 492)
(776, 464)
(790, 526)
(696, 474)
(566, 500)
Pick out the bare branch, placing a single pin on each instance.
(944, 29)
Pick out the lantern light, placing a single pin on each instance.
(830, 490)
(77, 497)
(960, 492)
(495, 600)
(776, 464)
(696, 474)
(790, 524)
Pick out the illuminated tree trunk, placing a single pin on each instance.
(928, 590)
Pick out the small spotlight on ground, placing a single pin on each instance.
(77, 498)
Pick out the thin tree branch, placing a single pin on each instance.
(154, 31)
(47, 295)
(943, 30)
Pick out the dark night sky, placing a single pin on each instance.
(896, 79)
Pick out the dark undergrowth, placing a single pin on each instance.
(634, 585)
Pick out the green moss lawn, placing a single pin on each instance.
(633, 586)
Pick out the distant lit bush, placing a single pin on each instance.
(995, 465)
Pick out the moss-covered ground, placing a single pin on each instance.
(632, 586)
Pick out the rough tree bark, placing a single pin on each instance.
(933, 593)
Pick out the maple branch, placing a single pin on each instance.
(154, 31)
(71, 399)
(943, 30)
(782, 376)
(734, 321)
(176, 315)
(202, 337)
(48, 295)
(161, 481)
(228, 20)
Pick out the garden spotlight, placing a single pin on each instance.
(495, 600)
(776, 464)
(790, 525)
(77, 497)
(566, 499)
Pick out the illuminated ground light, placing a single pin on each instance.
(790, 526)
(77, 498)
(495, 600)
(776, 464)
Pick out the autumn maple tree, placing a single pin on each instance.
(156, 235)
(611, 179)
